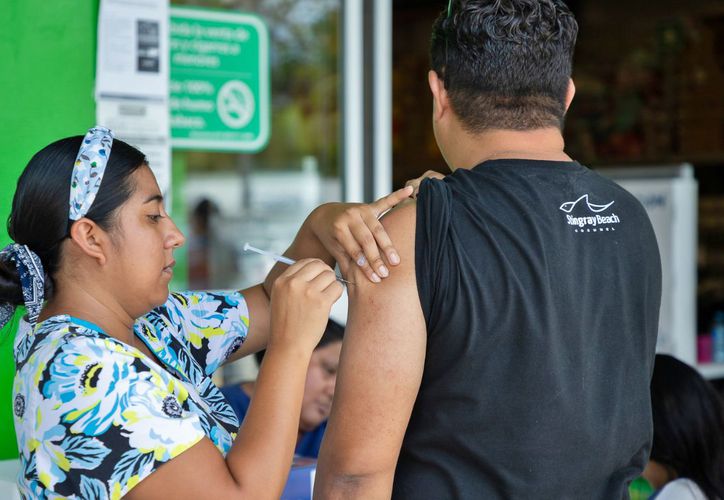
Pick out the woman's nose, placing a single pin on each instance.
(176, 238)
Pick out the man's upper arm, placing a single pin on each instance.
(380, 371)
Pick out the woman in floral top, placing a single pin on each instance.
(112, 395)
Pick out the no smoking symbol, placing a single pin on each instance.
(235, 103)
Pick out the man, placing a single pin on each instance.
(509, 354)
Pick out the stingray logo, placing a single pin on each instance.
(570, 205)
(591, 223)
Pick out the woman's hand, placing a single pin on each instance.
(301, 299)
(415, 183)
(352, 232)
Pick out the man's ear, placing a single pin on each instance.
(90, 239)
(570, 92)
(440, 101)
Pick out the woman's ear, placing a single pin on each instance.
(90, 239)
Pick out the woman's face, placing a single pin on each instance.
(319, 386)
(145, 238)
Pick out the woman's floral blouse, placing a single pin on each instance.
(95, 416)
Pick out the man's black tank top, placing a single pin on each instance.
(540, 283)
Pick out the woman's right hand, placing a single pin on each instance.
(301, 299)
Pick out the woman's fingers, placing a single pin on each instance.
(305, 269)
(323, 281)
(333, 291)
(370, 236)
(415, 183)
(386, 203)
(357, 241)
(358, 236)
(364, 234)
(301, 299)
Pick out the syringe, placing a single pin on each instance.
(282, 259)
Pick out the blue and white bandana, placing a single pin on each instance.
(90, 165)
(32, 279)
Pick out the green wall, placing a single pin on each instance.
(47, 67)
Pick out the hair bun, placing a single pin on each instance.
(10, 289)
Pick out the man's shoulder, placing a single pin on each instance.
(402, 217)
(400, 226)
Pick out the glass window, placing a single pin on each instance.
(263, 198)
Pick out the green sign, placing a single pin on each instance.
(219, 88)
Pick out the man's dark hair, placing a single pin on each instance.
(505, 63)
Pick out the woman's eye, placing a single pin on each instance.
(155, 217)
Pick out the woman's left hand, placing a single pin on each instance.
(352, 232)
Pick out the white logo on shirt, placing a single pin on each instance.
(570, 205)
(590, 223)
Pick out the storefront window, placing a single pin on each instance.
(263, 198)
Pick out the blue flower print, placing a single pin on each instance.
(95, 416)
(91, 385)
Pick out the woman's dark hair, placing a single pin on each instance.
(688, 425)
(40, 210)
(334, 332)
(505, 63)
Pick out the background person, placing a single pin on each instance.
(112, 395)
(199, 243)
(687, 456)
(318, 391)
(510, 354)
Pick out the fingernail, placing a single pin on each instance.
(375, 278)
(394, 258)
(361, 261)
(383, 271)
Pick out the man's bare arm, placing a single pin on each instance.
(380, 372)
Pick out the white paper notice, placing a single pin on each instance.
(138, 123)
(132, 79)
(133, 49)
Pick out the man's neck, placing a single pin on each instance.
(540, 144)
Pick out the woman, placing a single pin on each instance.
(112, 395)
(687, 457)
(318, 391)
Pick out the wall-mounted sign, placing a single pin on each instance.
(219, 88)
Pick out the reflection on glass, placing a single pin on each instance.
(263, 198)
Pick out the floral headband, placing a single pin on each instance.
(88, 170)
